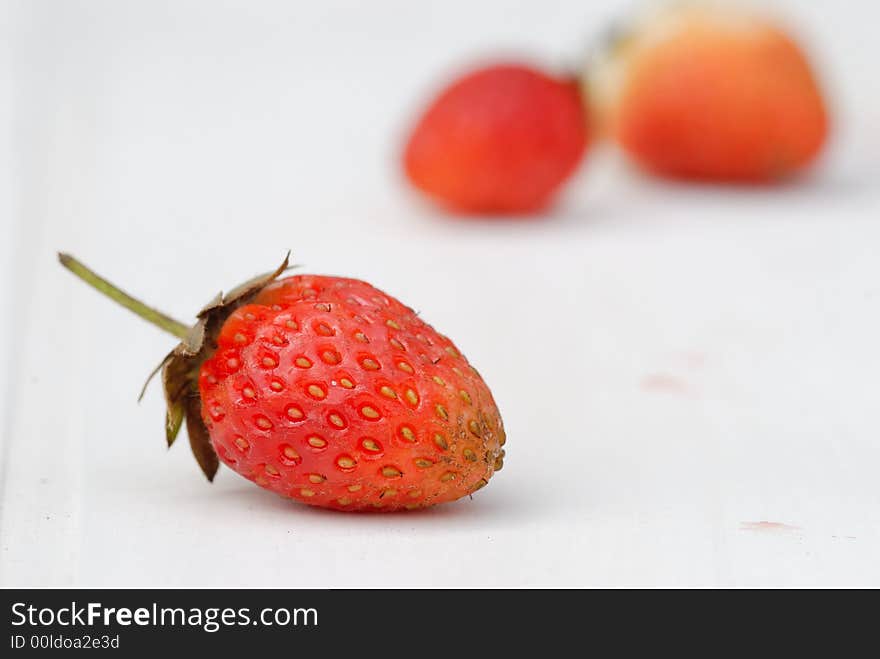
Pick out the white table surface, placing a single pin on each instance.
(674, 364)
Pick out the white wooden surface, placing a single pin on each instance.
(674, 364)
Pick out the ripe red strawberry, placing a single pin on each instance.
(499, 140)
(328, 391)
(711, 94)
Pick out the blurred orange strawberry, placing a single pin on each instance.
(711, 94)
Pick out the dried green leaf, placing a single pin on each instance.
(173, 420)
(199, 439)
(243, 292)
(152, 374)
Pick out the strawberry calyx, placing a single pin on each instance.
(180, 367)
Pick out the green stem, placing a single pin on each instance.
(149, 314)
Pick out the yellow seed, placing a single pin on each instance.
(480, 485)
(345, 462)
(392, 324)
(415, 494)
(248, 392)
(438, 380)
(316, 478)
(302, 362)
(391, 492)
(263, 422)
(465, 396)
(474, 427)
(370, 364)
(469, 455)
(323, 306)
(412, 396)
(291, 324)
(345, 382)
(423, 463)
(250, 316)
(388, 392)
(391, 472)
(290, 453)
(275, 385)
(403, 366)
(370, 445)
(242, 443)
(294, 412)
(355, 488)
(270, 362)
(239, 337)
(441, 412)
(337, 420)
(343, 501)
(378, 504)
(360, 336)
(316, 442)
(272, 471)
(440, 441)
(316, 391)
(411, 506)
(307, 493)
(448, 476)
(232, 363)
(396, 344)
(330, 357)
(369, 412)
(408, 434)
(452, 351)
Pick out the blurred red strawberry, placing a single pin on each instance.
(501, 139)
(713, 94)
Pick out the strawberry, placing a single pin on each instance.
(328, 391)
(501, 139)
(711, 94)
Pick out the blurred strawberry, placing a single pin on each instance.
(501, 139)
(711, 94)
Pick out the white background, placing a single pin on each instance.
(672, 362)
